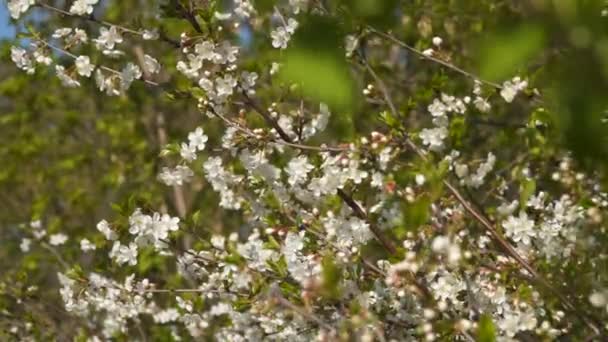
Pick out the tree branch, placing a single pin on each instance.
(163, 37)
(482, 219)
(386, 243)
(443, 63)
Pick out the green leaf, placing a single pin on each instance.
(272, 243)
(279, 266)
(117, 208)
(390, 119)
(486, 332)
(458, 130)
(75, 273)
(196, 217)
(417, 213)
(148, 260)
(527, 189)
(331, 277)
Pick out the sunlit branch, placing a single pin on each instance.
(92, 18)
(441, 62)
(67, 53)
(479, 217)
(346, 198)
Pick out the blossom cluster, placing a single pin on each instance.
(398, 233)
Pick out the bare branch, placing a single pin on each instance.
(433, 59)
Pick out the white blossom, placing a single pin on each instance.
(150, 34)
(300, 267)
(206, 50)
(444, 245)
(25, 245)
(476, 180)
(520, 229)
(350, 44)
(58, 239)
(510, 88)
(225, 85)
(179, 175)
(62, 32)
(248, 80)
(298, 5)
(447, 286)
(129, 73)
(282, 34)
(151, 65)
(377, 180)
(434, 137)
(104, 227)
(428, 52)
(166, 316)
(66, 79)
(243, 8)
(83, 7)
(106, 84)
(124, 254)
(197, 139)
(437, 108)
(86, 245)
(255, 252)
(108, 38)
(420, 179)
(516, 321)
(599, 299)
(41, 56)
(22, 60)
(152, 230)
(79, 36)
(18, 7)
(481, 104)
(437, 41)
(298, 169)
(84, 66)
(188, 152)
(318, 123)
(274, 68)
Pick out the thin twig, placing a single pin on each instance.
(179, 199)
(505, 245)
(433, 59)
(268, 118)
(188, 15)
(90, 18)
(382, 86)
(163, 37)
(56, 254)
(509, 249)
(239, 127)
(251, 134)
(174, 290)
(67, 53)
(354, 206)
(357, 210)
(302, 312)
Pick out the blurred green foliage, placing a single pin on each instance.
(315, 60)
(503, 54)
(486, 332)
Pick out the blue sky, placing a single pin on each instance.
(6, 30)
